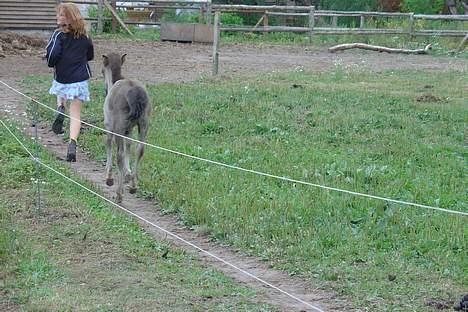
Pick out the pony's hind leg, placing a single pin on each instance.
(128, 171)
(142, 127)
(109, 179)
(121, 164)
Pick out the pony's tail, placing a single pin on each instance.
(137, 101)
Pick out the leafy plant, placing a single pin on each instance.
(107, 15)
(423, 6)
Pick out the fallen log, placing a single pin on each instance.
(365, 46)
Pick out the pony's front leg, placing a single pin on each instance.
(121, 164)
(109, 179)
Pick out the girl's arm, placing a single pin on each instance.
(90, 54)
(54, 49)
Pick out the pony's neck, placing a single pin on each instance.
(116, 75)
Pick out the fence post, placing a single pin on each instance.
(361, 24)
(311, 23)
(36, 156)
(100, 22)
(113, 4)
(410, 24)
(216, 32)
(335, 21)
(209, 11)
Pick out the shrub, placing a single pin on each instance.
(107, 27)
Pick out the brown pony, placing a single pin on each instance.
(126, 106)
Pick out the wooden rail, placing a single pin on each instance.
(309, 12)
(313, 15)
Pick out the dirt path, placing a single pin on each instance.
(156, 62)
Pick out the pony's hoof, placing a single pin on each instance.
(132, 190)
(110, 182)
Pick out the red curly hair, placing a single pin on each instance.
(76, 21)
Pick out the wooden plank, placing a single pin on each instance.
(442, 17)
(224, 7)
(203, 33)
(177, 32)
(21, 13)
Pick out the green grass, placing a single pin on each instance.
(78, 254)
(352, 129)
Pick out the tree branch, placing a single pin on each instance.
(347, 46)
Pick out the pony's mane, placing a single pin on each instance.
(115, 66)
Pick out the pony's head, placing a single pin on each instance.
(112, 69)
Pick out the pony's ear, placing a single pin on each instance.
(105, 60)
(122, 58)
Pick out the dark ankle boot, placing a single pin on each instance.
(71, 152)
(57, 126)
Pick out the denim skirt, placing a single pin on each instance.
(71, 91)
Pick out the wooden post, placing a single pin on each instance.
(113, 4)
(36, 156)
(410, 24)
(100, 15)
(265, 20)
(209, 12)
(311, 23)
(361, 24)
(216, 43)
(335, 21)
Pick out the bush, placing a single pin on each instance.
(356, 5)
(107, 27)
(423, 6)
(231, 19)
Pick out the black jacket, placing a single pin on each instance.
(69, 57)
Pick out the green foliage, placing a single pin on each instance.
(232, 19)
(423, 6)
(107, 14)
(356, 5)
(184, 17)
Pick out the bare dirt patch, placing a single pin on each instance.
(428, 97)
(156, 62)
(17, 44)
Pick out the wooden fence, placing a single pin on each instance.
(314, 25)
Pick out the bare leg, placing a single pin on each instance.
(60, 101)
(75, 122)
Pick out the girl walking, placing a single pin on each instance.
(68, 51)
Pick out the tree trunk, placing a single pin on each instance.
(452, 6)
(465, 6)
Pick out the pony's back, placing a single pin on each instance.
(125, 104)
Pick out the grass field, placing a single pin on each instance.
(78, 254)
(397, 134)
